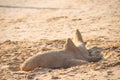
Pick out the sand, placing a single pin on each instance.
(31, 26)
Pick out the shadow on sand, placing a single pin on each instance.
(38, 8)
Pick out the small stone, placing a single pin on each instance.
(55, 77)
(109, 72)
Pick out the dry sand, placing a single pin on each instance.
(31, 26)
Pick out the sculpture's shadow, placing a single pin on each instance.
(95, 51)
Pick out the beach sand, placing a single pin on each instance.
(31, 26)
